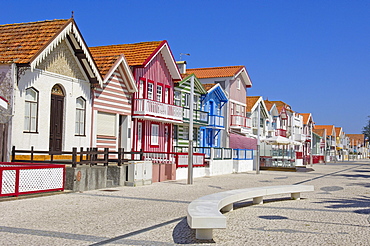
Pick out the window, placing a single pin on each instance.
(177, 96)
(185, 133)
(187, 100)
(141, 89)
(155, 134)
(150, 91)
(167, 95)
(195, 102)
(30, 114)
(106, 124)
(238, 84)
(80, 116)
(175, 132)
(159, 93)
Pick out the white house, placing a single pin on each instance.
(47, 73)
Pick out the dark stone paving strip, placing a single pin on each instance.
(137, 232)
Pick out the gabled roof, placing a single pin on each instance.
(329, 129)
(280, 105)
(222, 72)
(30, 43)
(271, 107)
(140, 54)
(219, 92)
(251, 101)
(208, 86)
(252, 104)
(338, 131)
(356, 138)
(320, 132)
(306, 118)
(197, 84)
(107, 65)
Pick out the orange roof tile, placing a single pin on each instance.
(215, 72)
(19, 43)
(338, 131)
(136, 54)
(208, 86)
(306, 117)
(280, 105)
(356, 138)
(251, 101)
(268, 105)
(320, 132)
(329, 129)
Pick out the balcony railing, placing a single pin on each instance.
(240, 121)
(146, 107)
(199, 116)
(216, 121)
(280, 132)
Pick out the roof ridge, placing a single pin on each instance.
(32, 22)
(201, 68)
(111, 45)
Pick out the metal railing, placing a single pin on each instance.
(243, 154)
(19, 179)
(240, 121)
(280, 132)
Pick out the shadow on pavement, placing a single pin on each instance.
(183, 234)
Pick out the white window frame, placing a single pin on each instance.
(150, 90)
(154, 139)
(31, 110)
(159, 93)
(80, 123)
(177, 97)
(187, 100)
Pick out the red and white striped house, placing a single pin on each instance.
(112, 102)
(153, 111)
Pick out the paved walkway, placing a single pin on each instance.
(336, 213)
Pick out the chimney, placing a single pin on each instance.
(182, 66)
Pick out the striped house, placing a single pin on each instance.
(112, 102)
(153, 111)
(200, 117)
(234, 80)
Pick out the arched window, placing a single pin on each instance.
(31, 107)
(80, 116)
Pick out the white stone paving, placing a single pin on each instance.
(336, 213)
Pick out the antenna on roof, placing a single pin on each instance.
(73, 14)
(186, 54)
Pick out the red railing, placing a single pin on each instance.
(281, 132)
(240, 121)
(19, 179)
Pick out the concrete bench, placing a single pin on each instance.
(204, 213)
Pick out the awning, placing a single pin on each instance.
(242, 142)
(277, 140)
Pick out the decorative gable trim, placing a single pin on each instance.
(122, 66)
(220, 93)
(244, 74)
(164, 49)
(78, 43)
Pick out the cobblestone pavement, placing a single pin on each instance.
(336, 213)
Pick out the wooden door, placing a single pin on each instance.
(56, 121)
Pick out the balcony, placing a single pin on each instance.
(149, 109)
(280, 132)
(241, 123)
(216, 121)
(199, 117)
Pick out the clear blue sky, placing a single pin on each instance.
(311, 54)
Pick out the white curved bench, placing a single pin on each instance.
(204, 213)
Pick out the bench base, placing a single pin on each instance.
(205, 234)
